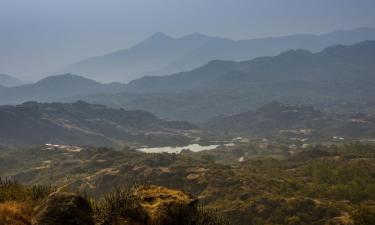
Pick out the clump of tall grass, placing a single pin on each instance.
(13, 191)
(118, 208)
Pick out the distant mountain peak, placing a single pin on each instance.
(64, 79)
(160, 36)
(63, 76)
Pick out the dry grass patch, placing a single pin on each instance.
(15, 213)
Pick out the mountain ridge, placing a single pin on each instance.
(338, 78)
(81, 123)
(290, 60)
(155, 52)
(54, 88)
(288, 120)
(10, 81)
(160, 56)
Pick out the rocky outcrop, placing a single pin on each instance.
(64, 209)
(159, 203)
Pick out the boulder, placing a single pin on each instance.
(64, 209)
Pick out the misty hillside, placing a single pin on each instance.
(161, 54)
(248, 49)
(9, 81)
(293, 120)
(146, 57)
(81, 123)
(54, 88)
(338, 63)
(337, 78)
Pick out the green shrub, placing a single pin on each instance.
(118, 208)
(190, 215)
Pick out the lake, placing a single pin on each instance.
(170, 149)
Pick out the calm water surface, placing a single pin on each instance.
(170, 149)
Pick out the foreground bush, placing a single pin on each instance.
(140, 205)
(153, 205)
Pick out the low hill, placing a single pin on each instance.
(81, 123)
(54, 88)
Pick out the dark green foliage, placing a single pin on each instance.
(349, 177)
(191, 215)
(163, 159)
(364, 215)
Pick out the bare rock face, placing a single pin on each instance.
(160, 203)
(64, 209)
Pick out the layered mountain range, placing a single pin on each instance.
(338, 78)
(161, 54)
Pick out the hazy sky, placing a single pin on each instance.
(38, 37)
